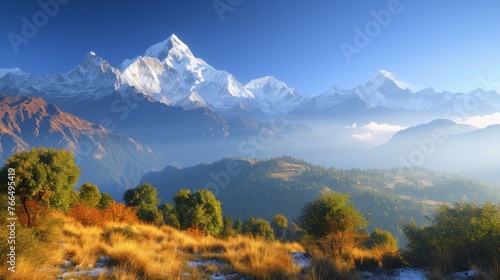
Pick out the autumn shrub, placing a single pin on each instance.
(116, 212)
(87, 215)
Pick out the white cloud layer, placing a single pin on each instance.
(375, 133)
(382, 127)
(363, 136)
(481, 121)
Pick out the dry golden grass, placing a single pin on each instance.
(325, 265)
(327, 268)
(261, 259)
(145, 261)
(376, 257)
(140, 251)
(136, 251)
(26, 270)
(489, 272)
(38, 254)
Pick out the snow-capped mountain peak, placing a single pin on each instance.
(170, 73)
(14, 71)
(384, 79)
(264, 80)
(270, 88)
(273, 95)
(92, 67)
(92, 60)
(268, 81)
(383, 90)
(172, 48)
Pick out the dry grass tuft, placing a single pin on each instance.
(26, 270)
(327, 268)
(260, 259)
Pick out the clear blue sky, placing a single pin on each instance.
(442, 44)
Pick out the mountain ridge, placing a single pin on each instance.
(113, 161)
(170, 73)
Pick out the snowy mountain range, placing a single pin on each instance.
(383, 90)
(169, 73)
(186, 111)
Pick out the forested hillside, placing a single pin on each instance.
(263, 188)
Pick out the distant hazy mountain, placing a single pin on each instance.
(431, 130)
(416, 146)
(384, 91)
(442, 145)
(475, 153)
(110, 160)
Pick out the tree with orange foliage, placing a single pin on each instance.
(87, 215)
(118, 212)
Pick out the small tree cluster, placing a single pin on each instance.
(258, 228)
(279, 225)
(144, 199)
(382, 239)
(460, 237)
(200, 210)
(90, 195)
(169, 215)
(334, 221)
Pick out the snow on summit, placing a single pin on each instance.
(15, 71)
(171, 74)
(391, 77)
(172, 47)
(384, 81)
(270, 88)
